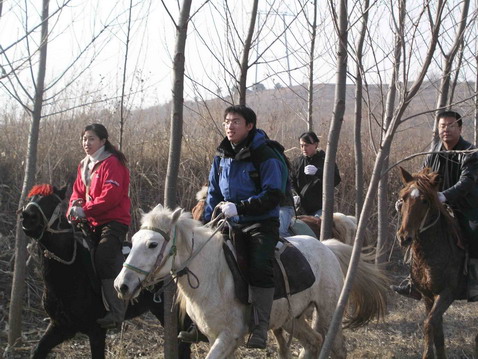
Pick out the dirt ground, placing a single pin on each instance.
(399, 336)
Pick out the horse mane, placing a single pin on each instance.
(425, 181)
(41, 189)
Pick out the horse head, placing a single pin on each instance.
(419, 199)
(43, 209)
(152, 253)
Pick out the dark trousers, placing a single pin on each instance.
(109, 239)
(469, 226)
(260, 242)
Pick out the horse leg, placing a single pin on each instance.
(97, 336)
(433, 325)
(320, 323)
(476, 346)
(53, 336)
(310, 339)
(284, 352)
(224, 346)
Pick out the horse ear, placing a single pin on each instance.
(435, 179)
(158, 207)
(61, 192)
(406, 177)
(141, 212)
(176, 214)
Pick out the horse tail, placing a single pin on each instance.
(344, 227)
(368, 298)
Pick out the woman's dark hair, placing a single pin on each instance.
(309, 137)
(102, 133)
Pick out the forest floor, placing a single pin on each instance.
(399, 336)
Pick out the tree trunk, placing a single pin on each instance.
(408, 95)
(170, 187)
(19, 274)
(334, 132)
(310, 120)
(359, 180)
(383, 235)
(443, 91)
(245, 55)
(123, 85)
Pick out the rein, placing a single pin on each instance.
(47, 227)
(161, 259)
(423, 228)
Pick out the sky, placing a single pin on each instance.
(98, 74)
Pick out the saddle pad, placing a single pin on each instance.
(299, 275)
(298, 226)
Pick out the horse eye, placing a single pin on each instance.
(152, 245)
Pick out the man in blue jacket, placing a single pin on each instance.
(247, 177)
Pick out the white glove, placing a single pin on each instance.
(441, 197)
(77, 212)
(398, 205)
(229, 209)
(296, 201)
(310, 170)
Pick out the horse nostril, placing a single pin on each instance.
(124, 289)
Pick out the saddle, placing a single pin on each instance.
(292, 272)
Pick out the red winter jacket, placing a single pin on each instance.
(107, 198)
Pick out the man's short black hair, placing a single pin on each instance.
(453, 114)
(246, 112)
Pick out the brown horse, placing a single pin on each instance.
(344, 227)
(437, 255)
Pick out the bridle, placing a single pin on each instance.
(161, 259)
(47, 227)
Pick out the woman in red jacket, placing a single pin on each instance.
(100, 196)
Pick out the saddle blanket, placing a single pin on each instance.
(292, 272)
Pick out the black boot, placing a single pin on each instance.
(192, 335)
(407, 289)
(472, 282)
(261, 299)
(117, 307)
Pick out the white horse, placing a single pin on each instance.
(169, 242)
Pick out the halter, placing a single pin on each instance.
(422, 225)
(47, 227)
(47, 223)
(161, 260)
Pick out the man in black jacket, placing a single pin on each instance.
(458, 188)
(307, 174)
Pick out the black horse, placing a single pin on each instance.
(72, 296)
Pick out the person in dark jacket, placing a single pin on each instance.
(100, 197)
(458, 188)
(307, 175)
(249, 192)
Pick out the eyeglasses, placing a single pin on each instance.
(229, 123)
(450, 126)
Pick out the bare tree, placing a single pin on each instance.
(19, 274)
(359, 180)
(341, 27)
(448, 60)
(123, 83)
(170, 187)
(407, 94)
(383, 235)
(245, 55)
(310, 104)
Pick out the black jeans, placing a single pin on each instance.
(109, 240)
(260, 242)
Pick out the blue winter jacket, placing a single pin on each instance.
(234, 178)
